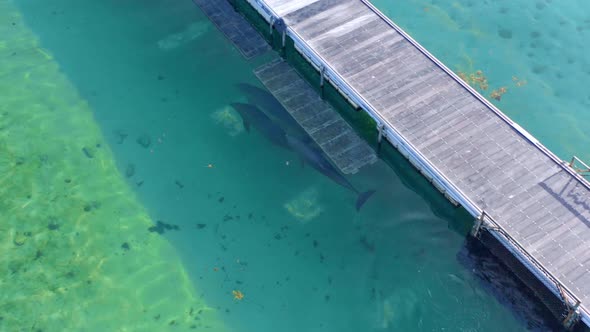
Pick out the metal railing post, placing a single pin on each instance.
(272, 22)
(478, 223)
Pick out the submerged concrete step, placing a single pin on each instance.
(329, 130)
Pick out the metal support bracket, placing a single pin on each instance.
(380, 129)
(284, 37)
(583, 169)
(572, 316)
(272, 23)
(382, 133)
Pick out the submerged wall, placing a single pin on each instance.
(75, 250)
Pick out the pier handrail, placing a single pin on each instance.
(458, 195)
(491, 106)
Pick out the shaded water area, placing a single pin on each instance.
(132, 197)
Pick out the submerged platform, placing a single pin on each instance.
(534, 203)
(234, 27)
(327, 128)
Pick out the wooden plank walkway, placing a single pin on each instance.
(234, 27)
(327, 128)
(536, 205)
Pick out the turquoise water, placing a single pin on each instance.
(251, 219)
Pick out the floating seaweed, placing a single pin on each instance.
(518, 82)
(477, 80)
(238, 295)
(497, 94)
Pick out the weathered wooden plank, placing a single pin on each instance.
(284, 8)
(301, 11)
(330, 21)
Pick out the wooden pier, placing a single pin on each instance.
(324, 125)
(246, 39)
(535, 204)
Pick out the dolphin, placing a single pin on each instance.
(252, 115)
(315, 157)
(271, 106)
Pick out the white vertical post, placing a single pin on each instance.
(478, 223)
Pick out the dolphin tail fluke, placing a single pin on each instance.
(363, 198)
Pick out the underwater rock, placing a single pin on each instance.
(201, 226)
(90, 206)
(125, 246)
(229, 119)
(53, 226)
(179, 184)
(144, 140)
(305, 206)
(221, 199)
(43, 158)
(130, 170)
(121, 136)
(539, 69)
(161, 227)
(19, 239)
(87, 152)
(370, 247)
(505, 33)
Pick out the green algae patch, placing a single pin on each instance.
(75, 250)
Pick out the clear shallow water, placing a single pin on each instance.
(285, 236)
(535, 49)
